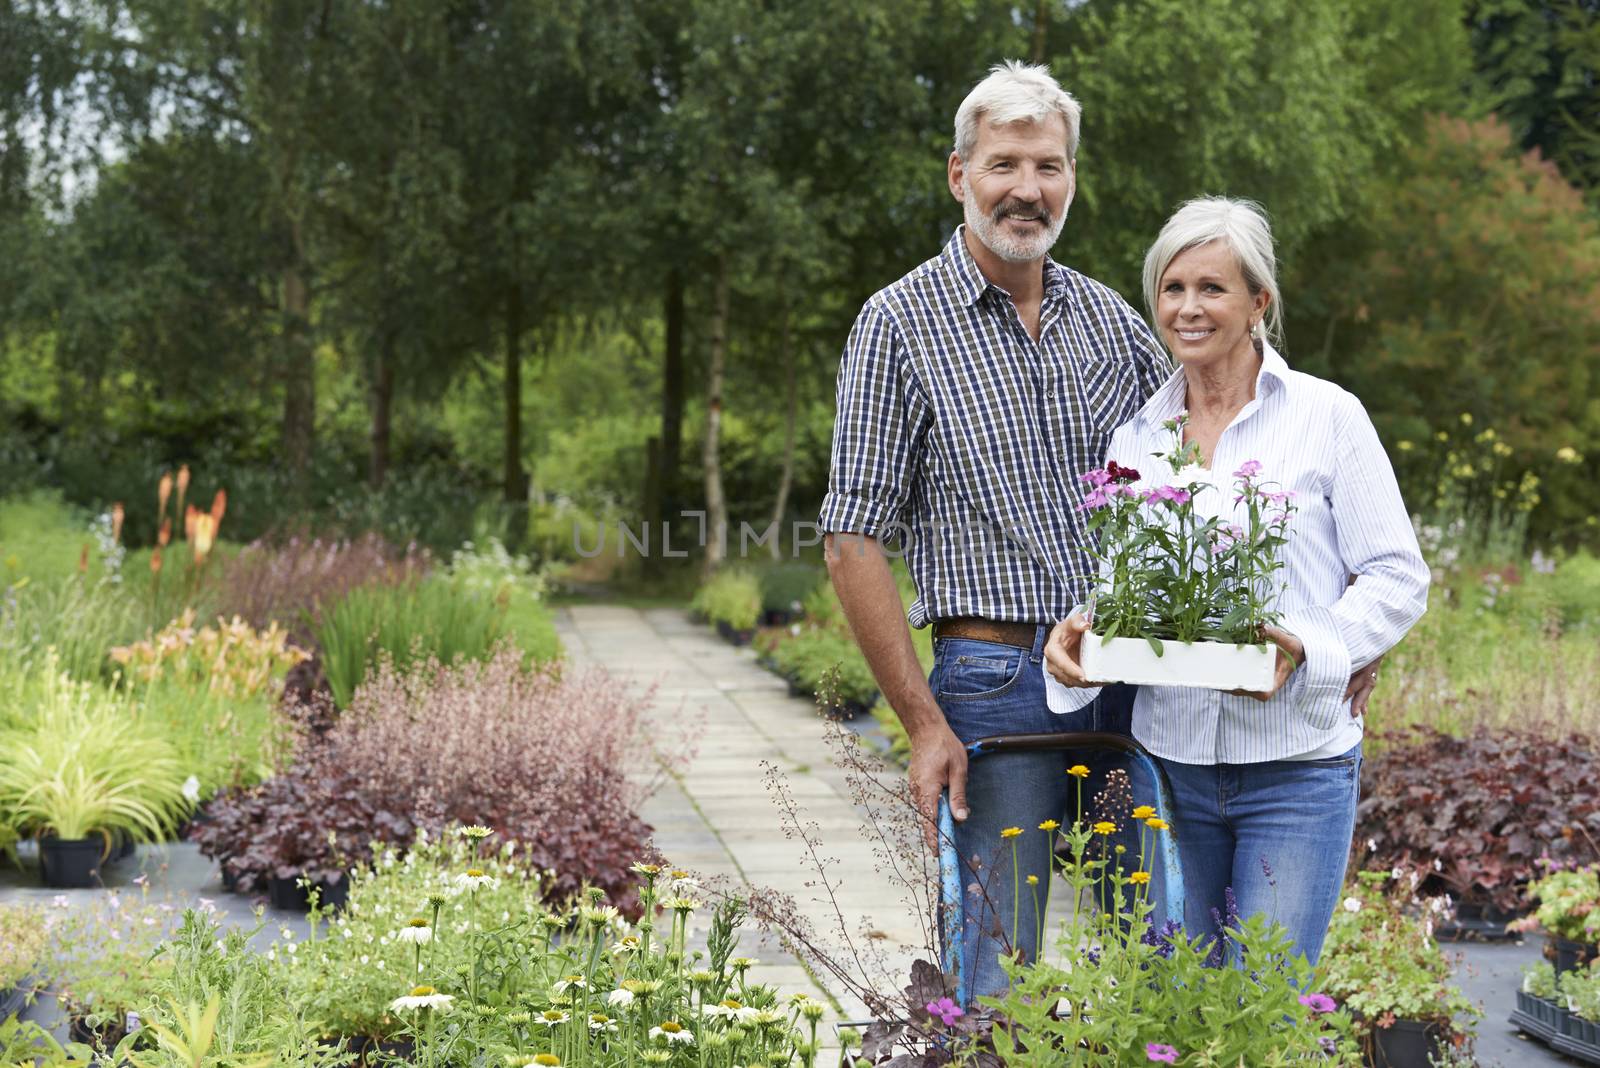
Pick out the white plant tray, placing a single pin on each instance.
(1208, 665)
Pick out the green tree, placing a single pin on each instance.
(1482, 296)
(1537, 66)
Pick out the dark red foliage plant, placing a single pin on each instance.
(1475, 814)
(560, 761)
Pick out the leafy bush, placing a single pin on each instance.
(731, 596)
(23, 941)
(1384, 964)
(83, 764)
(1569, 903)
(553, 760)
(1476, 814)
(828, 662)
(1580, 988)
(71, 622)
(1539, 979)
(785, 586)
(290, 582)
(104, 961)
(44, 540)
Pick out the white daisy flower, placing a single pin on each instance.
(474, 879)
(672, 1031)
(421, 997)
(417, 932)
(620, 998)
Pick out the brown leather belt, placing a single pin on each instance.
(1020, 635)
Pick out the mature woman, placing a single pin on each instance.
(1265, 785)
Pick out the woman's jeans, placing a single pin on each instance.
(987, 689)
(1277, 834)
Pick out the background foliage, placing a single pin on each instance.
(439, 269)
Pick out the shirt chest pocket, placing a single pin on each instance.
(1105, 394)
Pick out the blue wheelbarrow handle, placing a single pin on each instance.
(952, 908)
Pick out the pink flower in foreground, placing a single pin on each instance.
(1168, 493)
(1155, 1051)
(1097, 478)
(1248, 469)
(947, 1010)
(1318, 1003)
(1095, 498)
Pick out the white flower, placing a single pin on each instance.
(620, 998)
(474, 879)
(422, 997)
(191, 790)
(672, 1031)
(551, 1018)
(1352, 904)
(732, 1009)
(564, 982)
(417, 934)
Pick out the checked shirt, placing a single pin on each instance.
(960, 442)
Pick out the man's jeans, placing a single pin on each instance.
(988, 689)
(1277, 834)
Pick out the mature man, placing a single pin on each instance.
(973, 394)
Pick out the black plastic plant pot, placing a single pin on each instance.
(1570, 955)
(289, 895)
(735, 635)
(1477, 921)
(1406, 1044)
(71, 863)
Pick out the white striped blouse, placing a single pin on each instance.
(1313, 438)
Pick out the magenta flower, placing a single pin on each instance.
(1248, 469)
(1096, 478)
(1155, 1051)
(1095, 498)
(1318, 1003)
(947, 1010)
(1168, 493)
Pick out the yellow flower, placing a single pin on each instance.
(1049, 825)
(1105, 827)
(547, 1060)
(1466, 418)
(1442, 436)
(1011, 832)
(1156, 823)
(1033, 880)
(1139, 878)
(1078, 771)
(1568, 455)
(1143, 812)
(1404, 446)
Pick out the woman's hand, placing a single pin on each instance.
(1062, 651)
(1291, 654)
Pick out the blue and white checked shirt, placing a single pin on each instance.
(1313, 438)
(954, 427)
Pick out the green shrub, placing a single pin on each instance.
(84, 763)
(824, 661)
(80, 621)
(430, 618)
(731, 596)
(23, 940)
(42, 539)
(785, 586)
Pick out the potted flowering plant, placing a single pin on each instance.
(1184, 591)
(1386, 967)
(1569, 914)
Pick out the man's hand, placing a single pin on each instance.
(1359, 691)
(1062, 652)
(1291, 654)
(938, 760)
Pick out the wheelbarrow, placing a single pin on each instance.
(952, 916)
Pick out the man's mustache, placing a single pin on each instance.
(1024, 210)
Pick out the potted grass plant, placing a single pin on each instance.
(1187, 582)
(80, 773)
(1386, 968)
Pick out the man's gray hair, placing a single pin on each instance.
(1015, 92)
(1241, 225)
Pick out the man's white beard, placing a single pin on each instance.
(1011, 249)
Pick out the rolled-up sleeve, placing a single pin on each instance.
(877, 431)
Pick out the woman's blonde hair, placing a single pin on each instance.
(1242, 226)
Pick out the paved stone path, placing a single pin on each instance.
(716, 815)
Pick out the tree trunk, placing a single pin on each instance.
(1041, 25)
(382, 399)
(791, 411)
(672, 397)
(516, 483)
(716, 505)
(299, 363)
